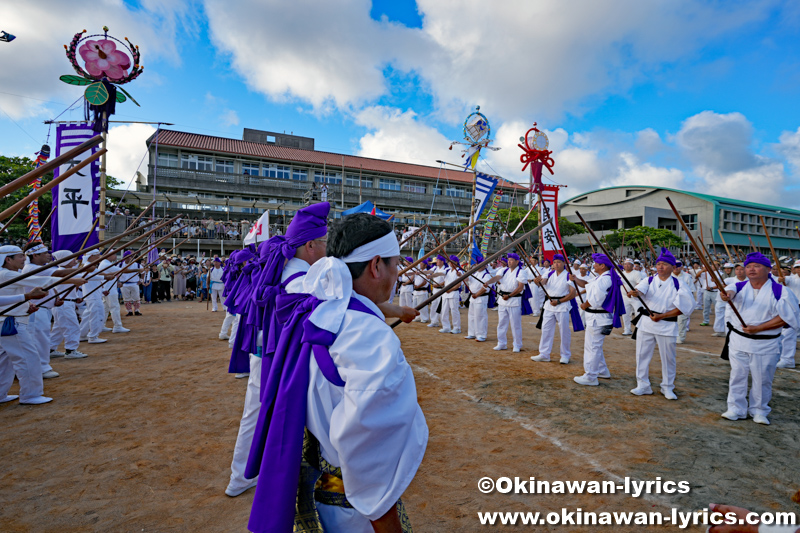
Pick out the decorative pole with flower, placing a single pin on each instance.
(107, 61)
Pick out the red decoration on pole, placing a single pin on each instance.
(535, 152)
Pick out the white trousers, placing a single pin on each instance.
(550, 322)
(40, 331)
(434, 314)
(228, 324)
(92, 319)
(709, 300)
(719, 317)
(594, 362)
(537, 300)
(247, 426)
(450, 314)
(509, 316)
(18, 356)
(762, 368)
(216, 294)
(65, 327)
(406, 299)
(788, 346)
(111, 306)
(630, 311)
(683, 324)
(645, 346)
(420, 297)
(478, 317)
(130, 293)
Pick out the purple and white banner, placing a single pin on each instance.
(75, 200)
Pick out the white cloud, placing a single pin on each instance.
(717, 143)
(126, 150)
(34, 61)
(229, 118)
(398, 136)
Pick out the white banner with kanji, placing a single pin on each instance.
(550, 237)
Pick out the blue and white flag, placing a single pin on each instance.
(484, 189)
(76, 199)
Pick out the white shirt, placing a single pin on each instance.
(19, 288)
(373, 427)
(687, 280)
(130, 278)
(557, 285)
(707, 281)
(293, 266)
(450, 277)
(420, 282)
(91, 284)
(634, 276)
(216, 278)
(109, 284)
(49, 273)
(793, 282)
(406, 278)
(475, 285)
(596, 293)
(661, 297)
(509, 283)
(757, 309)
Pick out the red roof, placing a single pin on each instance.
(209, 143)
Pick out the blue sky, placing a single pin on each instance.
(696, 95)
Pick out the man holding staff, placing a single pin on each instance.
(511, 288)
(556, 313)
(478, 318)
(666, 292)
(766, 307)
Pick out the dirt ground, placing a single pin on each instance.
(140, 434)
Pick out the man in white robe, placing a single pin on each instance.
(110, 292)
(437, 282)
(687, 280)
(451, 316)
(421, 292)
(631, 304)
(92, 317)
(478, 317)
(216, 284)
(719, 305)
(406, 282)
(65, 320)
(766, 307)
(789, 335)
(667, 299)
(511, 282)
(556, 311)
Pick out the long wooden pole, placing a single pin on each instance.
(613, 261)
(752, 246)
(522, 256)
(153, 261)
(727, 251)
(772, 248)
(474, 269)
(26, 179)
(702, 257)
(437, 249)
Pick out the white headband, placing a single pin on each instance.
(386, 246)
(61, 254)
(39, 248)
(7, 251)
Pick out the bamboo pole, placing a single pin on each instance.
(727, 251)
(772, 248)
(438, 248)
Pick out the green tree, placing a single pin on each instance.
(636, 237)
(12, 168)
(566, 227)
(112, 182)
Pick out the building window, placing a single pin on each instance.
(691, 222)
(223, 165)
(196, 162)
(505, 198)
(456, 192)
(168, 160)
(389, 185)
(437, 191)
(251, 169)
(633, 192)
(299, 174)
(327, 177)
(414, 187)
(352, 181)
(277, 171)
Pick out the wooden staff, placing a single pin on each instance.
(22, 204)
(70, 257)
(476, 268)
(653, 254)
(727, 251)
(772, 248)
(590, 243)
(533, 270)
(151, 262)
(753, 246)
(613, 262)
(709, 270)
(438, 248)
(40, 171)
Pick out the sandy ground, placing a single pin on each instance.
(140, 435)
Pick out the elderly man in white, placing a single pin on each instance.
(510, 290)
(666, 298)
(754, 349)
(556, 311)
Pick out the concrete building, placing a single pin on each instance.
(612, 208)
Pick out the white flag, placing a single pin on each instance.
(260, 230)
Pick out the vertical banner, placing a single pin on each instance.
(487, 229)
(550, 236)
(76, 200)
(484, 188)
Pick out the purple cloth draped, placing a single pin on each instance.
(614, 303)
(276, 452)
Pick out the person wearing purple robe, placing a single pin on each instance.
(287, 259)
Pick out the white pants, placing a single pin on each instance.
(788, 346)
(645, 346)
(719, 317)
(537, 300)
(65, 327)
(450, 310)
(40, 332)
(111, 305)
(478, 317)
(630, 311)
(762, 367)
(92, 319)
(709, 300)
(513, 316)
(216, 294)
(434, 314)
(130, 293)
(247, 426)
(683, 324)
(18, 355)
(406, 299)
(419, 297)
(228, 324)
(550, 322)
(594, 362)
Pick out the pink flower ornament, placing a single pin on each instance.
(103, 58)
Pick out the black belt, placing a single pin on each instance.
(643, 312)
(504, 293)
(597, 311)
(724, 354)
